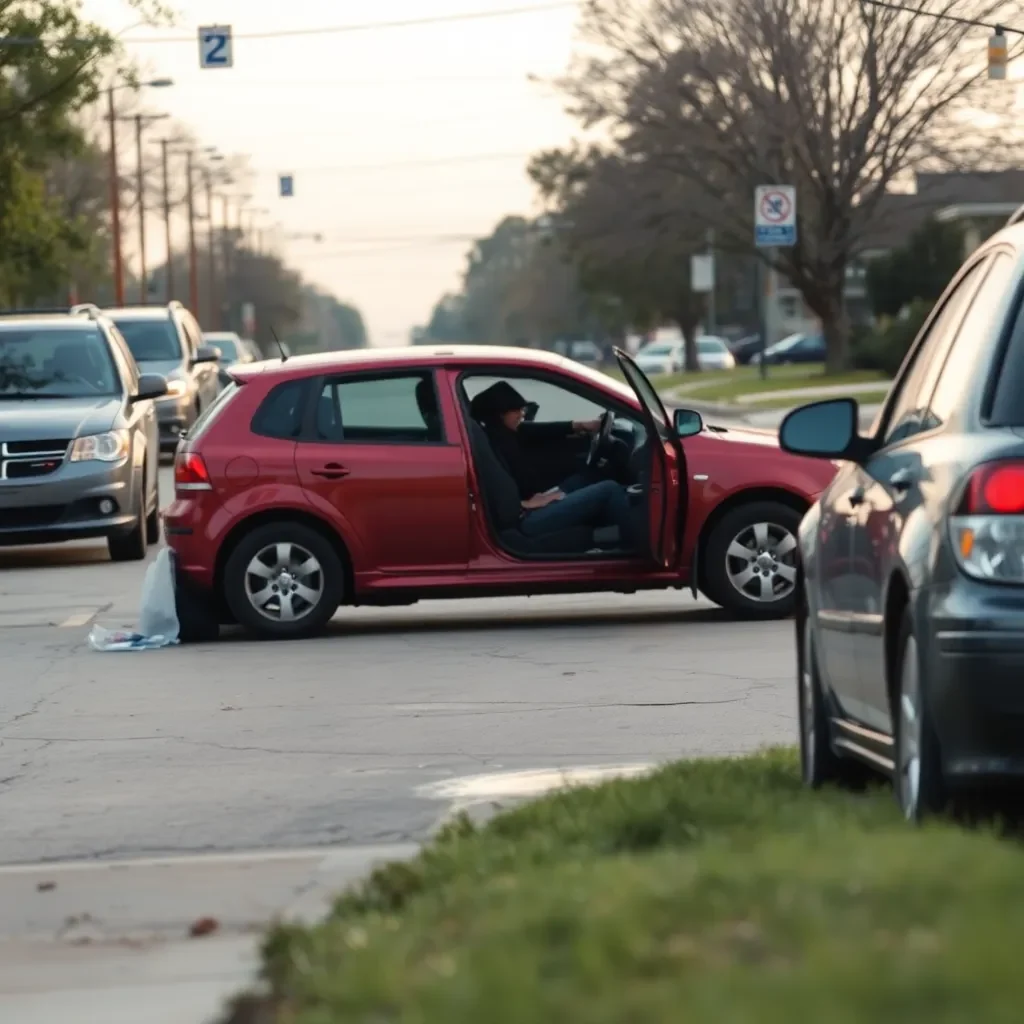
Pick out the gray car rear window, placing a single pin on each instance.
(151, 341)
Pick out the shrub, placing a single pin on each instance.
(885, 347)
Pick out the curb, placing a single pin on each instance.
(674, 399)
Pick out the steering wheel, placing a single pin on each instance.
(601, 436)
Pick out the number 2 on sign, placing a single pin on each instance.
(215, 47)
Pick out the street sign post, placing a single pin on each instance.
(286, 185)
(215, 49)
(774, 228)
(702, 273)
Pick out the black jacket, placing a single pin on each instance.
(533, 468)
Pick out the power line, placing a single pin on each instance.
(942, 16)
(435, 162)
(378, 26)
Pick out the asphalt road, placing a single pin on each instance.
(359, 737)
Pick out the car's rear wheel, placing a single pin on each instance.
(130, 545)
(918, 780)
(284, 580)
(750, 560)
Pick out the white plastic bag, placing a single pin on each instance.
(158, 616)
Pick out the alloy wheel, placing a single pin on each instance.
(760, 562)
(284, 582)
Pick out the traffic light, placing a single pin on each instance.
(997, 55)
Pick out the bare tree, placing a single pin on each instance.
(839, 98)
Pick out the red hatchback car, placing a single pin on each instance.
(363, 478)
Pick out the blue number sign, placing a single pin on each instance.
(215, 46)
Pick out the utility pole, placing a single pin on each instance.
(141, 178)
(115, 202)
(212, 301)
(225, 308)
(169, 259)
(193, 270)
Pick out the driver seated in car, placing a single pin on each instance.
(548, 506)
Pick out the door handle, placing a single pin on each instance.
(332, 471)
(902, 479)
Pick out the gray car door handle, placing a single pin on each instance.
(902, 479)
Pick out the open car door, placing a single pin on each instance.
(664, 491)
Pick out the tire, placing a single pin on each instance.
(731, 557)
(130, 545)
(819, 763)
(313, 595)
(916, 740)
(153, 518)
(197, 614)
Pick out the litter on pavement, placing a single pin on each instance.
(158, 618)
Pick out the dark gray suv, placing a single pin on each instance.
(167, 340)
(79, 445)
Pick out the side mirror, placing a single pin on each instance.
(530, 411)
(823, 430)
(687, 422)
(206, 354)
(151, 385)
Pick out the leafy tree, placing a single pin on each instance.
(921, 269)
(839, 99)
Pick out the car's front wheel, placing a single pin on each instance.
(284, 580)
(129, 545)
(750, 560)
(819, 763)
(918, 781)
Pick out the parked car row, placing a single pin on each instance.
(89, 399)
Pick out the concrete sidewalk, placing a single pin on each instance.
(109, 942)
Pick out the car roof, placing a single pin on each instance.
(47, 320)
(138, 313)
(349, 360)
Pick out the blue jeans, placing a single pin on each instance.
(601, 504)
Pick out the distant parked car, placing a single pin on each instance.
(167, 340)
(797, 348)
(79, 442)
(586, 352)
(713, 353)
(232, 350)
(746, 348)
(660, 357)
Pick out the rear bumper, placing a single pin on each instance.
(69, 505)
(975, 673)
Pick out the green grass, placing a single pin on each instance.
(709, 892)
(873, 397)
(745, 380)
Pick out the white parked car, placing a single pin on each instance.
(713, 353)
(661, 357)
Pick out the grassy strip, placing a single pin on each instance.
(863, 398)
(710, 891)
(745, 380)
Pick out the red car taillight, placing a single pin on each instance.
(190, 473)
(988, 523)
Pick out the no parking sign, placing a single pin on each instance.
(774, 216)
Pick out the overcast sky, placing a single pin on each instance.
(396, 137)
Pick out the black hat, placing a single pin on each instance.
(496, 400)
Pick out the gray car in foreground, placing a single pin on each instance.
(79, 445)
(911, 635)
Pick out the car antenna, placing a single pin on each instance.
(280, 347)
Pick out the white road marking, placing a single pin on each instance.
(78, 619)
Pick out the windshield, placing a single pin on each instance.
(151, 341)
(660, 349)
(48, 362)
(787, 343)
(227, 348)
